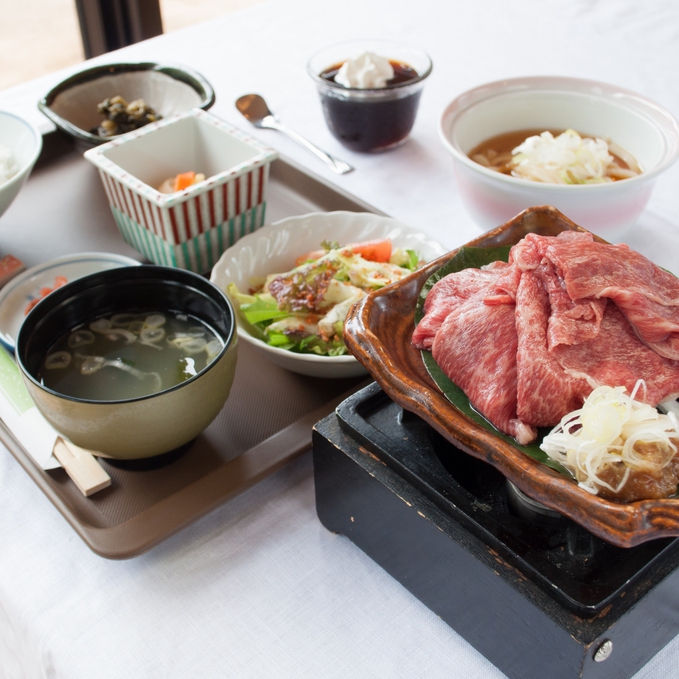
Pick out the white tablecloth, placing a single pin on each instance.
(259, 588)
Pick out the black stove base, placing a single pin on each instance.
(474, 584)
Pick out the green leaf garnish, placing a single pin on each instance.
(413, 260)
(262, 310)
(330, 245)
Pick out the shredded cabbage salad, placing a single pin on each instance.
(303, 310)
(565, 159)
(605, 431)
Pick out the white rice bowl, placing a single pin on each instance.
(8, 165)
(22, 143)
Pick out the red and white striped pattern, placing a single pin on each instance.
(189, 216)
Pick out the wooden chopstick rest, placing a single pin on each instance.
(87, 474)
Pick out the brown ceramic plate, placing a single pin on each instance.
(378, 332)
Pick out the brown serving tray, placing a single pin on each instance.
(268, 418)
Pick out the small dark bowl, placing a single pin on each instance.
(138, 427)
(168, 89)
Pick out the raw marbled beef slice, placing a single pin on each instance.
(571, 321)
(645, 293)
(616, 357)
(545, 393)
(447, 294)
(476, 348)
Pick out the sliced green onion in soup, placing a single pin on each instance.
(122, 320)
(58, 360)
(151, 335)
(80, 338)
(154, 321)
(191, 342)
(118, 333)
(91, 364)
(212, 348)
(194, 346)
(101, 325)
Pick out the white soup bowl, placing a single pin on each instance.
(641, 127)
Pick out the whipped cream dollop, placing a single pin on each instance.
(366, 71)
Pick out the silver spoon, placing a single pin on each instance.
(254, 108)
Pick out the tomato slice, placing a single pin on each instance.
(373, 250)
(378, 250)
(58, 282)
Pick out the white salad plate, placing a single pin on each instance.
(26, 287)
(274, 249)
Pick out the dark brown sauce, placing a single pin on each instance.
(642, 485)
(371, 125)
(403, 73)
(498, 149)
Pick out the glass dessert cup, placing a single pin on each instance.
(370, 119)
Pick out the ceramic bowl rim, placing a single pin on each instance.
(19, 176)
(18, 280)
(356, 41)
(176, 71)
(498, 88)
(97, 156)
(58, 296)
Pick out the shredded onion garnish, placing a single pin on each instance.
(610, 429)
(567, 159)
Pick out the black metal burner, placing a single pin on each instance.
(584, 573)
(536, 594)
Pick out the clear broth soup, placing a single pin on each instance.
(129, 355)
